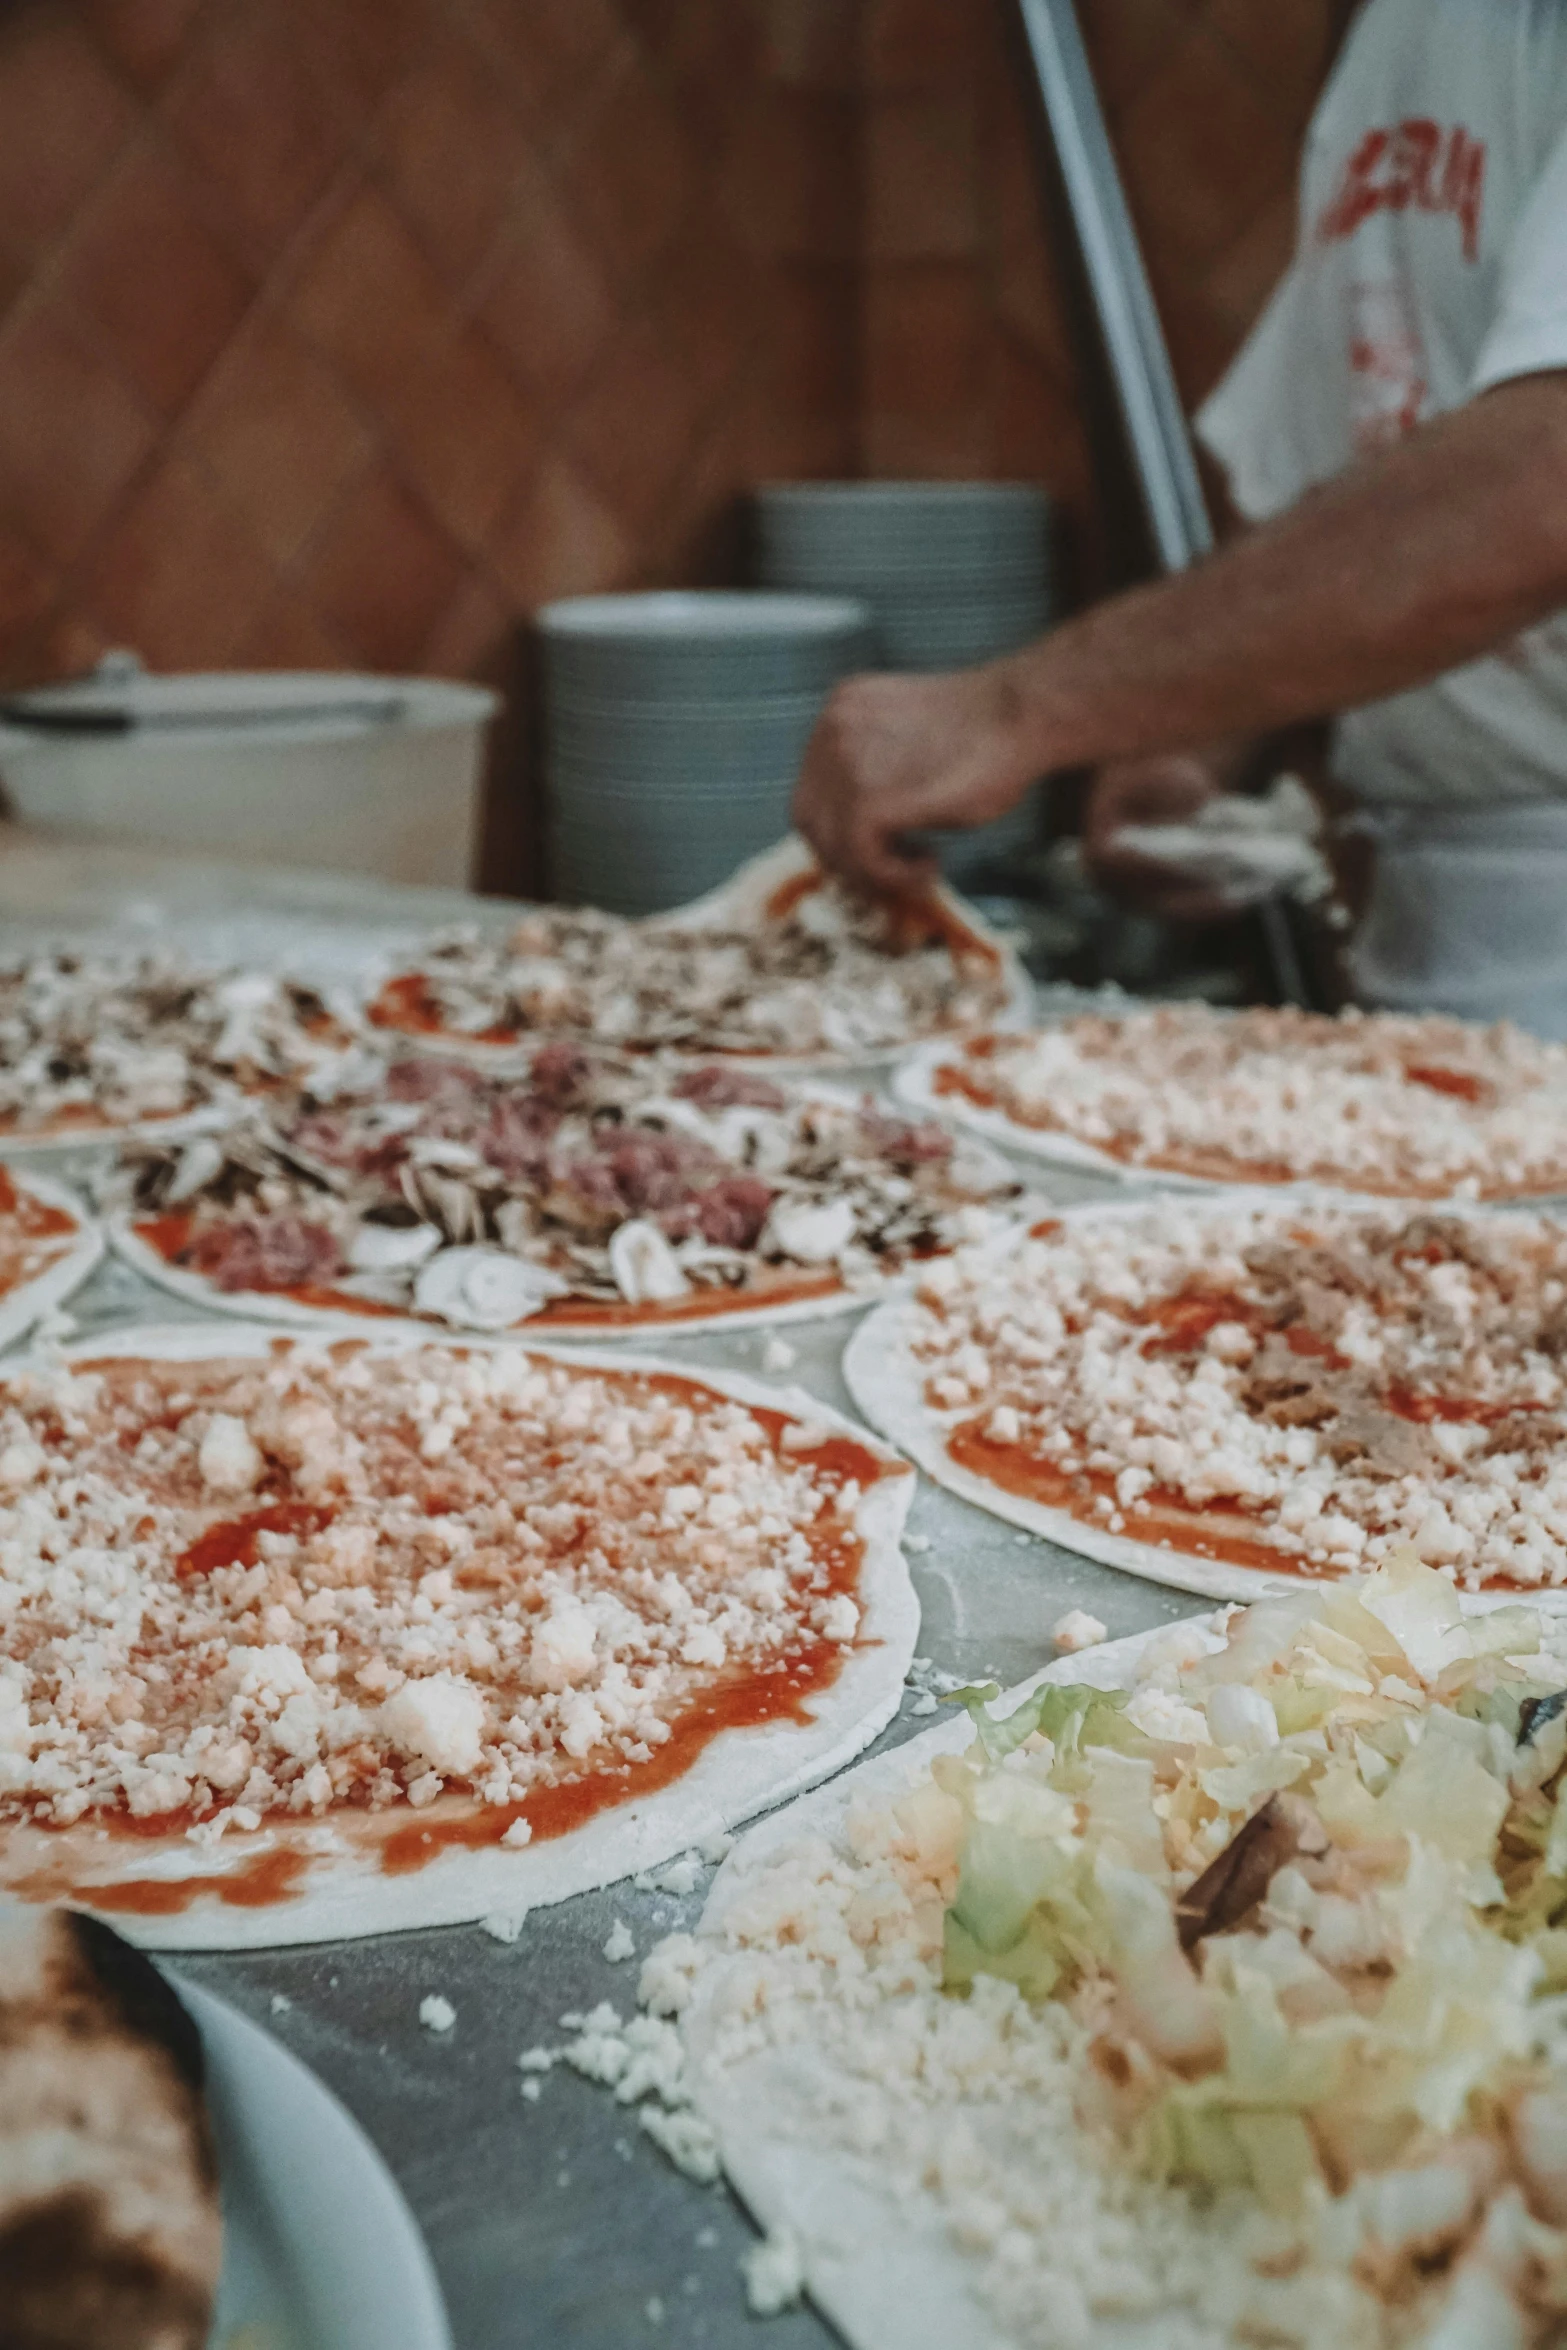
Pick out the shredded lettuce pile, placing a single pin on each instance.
(1307, 1884)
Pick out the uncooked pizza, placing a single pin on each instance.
(110, 2228)
(783, 964)
(1222, 1395)
(1408, 1107)
(307, 1640)
(1204, 1994)
(48, 1246)
(92, 1043)
(587, 1191)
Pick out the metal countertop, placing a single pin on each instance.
(557, 2222)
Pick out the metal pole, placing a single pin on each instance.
(1150, 403)
(1118, 284)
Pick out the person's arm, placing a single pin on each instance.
(1413, 562)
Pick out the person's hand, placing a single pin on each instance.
(1165, 790)
(895, 755)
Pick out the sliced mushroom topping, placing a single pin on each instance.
(1230, 1887)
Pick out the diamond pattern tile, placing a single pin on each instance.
(144, 269)
(349, 332)
(262, 134)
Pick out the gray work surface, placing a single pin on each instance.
(557, 2222)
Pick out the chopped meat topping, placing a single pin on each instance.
(1375, 1101)
(723, 1180)
(295, 1583)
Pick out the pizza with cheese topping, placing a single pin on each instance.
(781, 964)
(586, 1191)
(1406, 1107)
(48, 1246)
(1228, 1395)
(308, 1639)
(93, 1044)
(1203, 1993)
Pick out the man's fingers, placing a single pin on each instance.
(875, 856)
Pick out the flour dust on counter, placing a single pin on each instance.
(318, 1639)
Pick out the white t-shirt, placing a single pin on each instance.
(1430, 264)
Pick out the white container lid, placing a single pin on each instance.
(227, 705)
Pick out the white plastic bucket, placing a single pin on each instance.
(367, 774)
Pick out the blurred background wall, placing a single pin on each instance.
(345, 332)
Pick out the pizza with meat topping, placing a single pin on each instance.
(781, 964)
(93, 1044)
(1406, 1107)
(588, 1191)
(306, 1639)
(1224, 1395)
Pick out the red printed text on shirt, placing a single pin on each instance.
(1414, 165)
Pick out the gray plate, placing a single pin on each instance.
(320, 2251)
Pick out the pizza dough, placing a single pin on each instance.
(778, 966)
(875, 2259)
(585, 1192)
(48, 1246)
(1226, 1396)
(924, 2163)
(110, 2228)
(1374, 1102)
(95, 1045)
(408, 1635)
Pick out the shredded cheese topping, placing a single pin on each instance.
(1374, 1101)
(1328, 1383)
(234, 1587)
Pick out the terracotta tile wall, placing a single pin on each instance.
(345, 332)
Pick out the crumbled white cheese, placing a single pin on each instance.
(229, 1460)
(1077, 1630)
(680, 1878)
(777, 1355)
(1417, 1105)
(619, 1945)
(437, 2014)
(685, 2137)
(440, 1720)
(1094, 1335)
(398, 1622)
(840, 1618)
(774, 2272)
(504, 1925)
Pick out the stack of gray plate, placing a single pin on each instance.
(674, 729)
(954, 572)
